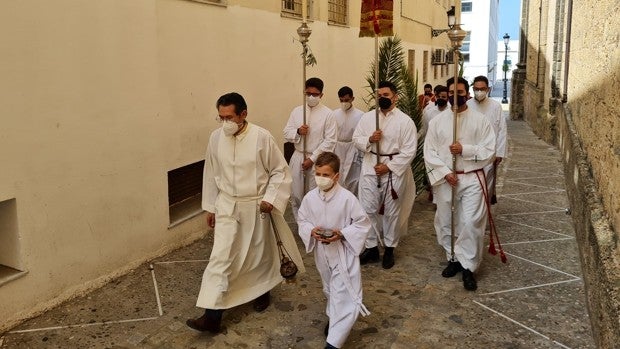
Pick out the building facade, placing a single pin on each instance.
(107, 107)
(480, 21)
(566, 87)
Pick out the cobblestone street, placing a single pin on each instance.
(536, 300)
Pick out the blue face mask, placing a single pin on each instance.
(461, 100)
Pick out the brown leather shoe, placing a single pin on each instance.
(262, 302)
(210, 321)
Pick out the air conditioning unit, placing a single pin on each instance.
(439, 57)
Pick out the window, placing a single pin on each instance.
(337, 11)
(10, 265)
(411, 63)
(185, 192)
(465, 47)
(425, 66)
(293, 8)
(466, 6)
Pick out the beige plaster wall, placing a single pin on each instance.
(100, 99)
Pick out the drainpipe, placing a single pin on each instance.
(569, 20)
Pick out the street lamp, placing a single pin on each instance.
(505, 66)
(451, 21)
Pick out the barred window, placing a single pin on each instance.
(293, 8)
(338, 11)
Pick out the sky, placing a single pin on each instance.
(509, 17)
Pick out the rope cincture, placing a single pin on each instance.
(492, 228)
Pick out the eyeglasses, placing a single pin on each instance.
(312, 94)
(222, 120)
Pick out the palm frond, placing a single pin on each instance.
(393, 68)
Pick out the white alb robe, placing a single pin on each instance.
(476, 136)
(338, 262)
(350, 157)
(239, 173)
(428, 114)
(492, 109)
(321, 137)
(399, 137)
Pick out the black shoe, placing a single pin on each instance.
(262, 302)
(210, 321)
(468, 280)
(326, 330)
(452, 269)
(369, 255)
(388, 258)
(329, 346)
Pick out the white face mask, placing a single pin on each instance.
(312, 101)
(230, 127)
(324, 183)
(346, 105)
(480, 95)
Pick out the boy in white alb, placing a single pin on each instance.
(333, 224)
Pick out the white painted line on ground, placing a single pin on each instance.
(527, 169)
(520, 324)
(532, 202)
(536, 241)
(542, 265)
(84, 325)
(529, 287)
(529, 184)
(528, 213)
(161, 311)
(536, 177)
(185, 261)
(534, 192)
(499, 218)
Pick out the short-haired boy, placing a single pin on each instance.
(333, 224)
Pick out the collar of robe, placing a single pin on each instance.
(328, 195)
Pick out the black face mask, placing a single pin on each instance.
(428, 93)
(461, 100)
(385, 103)
(441, 102)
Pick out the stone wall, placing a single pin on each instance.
(586, 126)
(597, 241)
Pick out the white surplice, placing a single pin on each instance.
(239, 173)
(350, 157)
(321, 137)
(492, 109)
(398, 147)
(338, 262)
(476, 136)
(427, 115)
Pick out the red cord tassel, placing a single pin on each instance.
(503, 256)
(492, 249)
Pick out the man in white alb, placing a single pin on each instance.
(347, 117)
(492, 109)
(246, 181)
(320, 132)
(474, 148)
(389, 204)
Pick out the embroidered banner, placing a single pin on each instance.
(376, 18)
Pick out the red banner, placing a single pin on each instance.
(376, 18)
